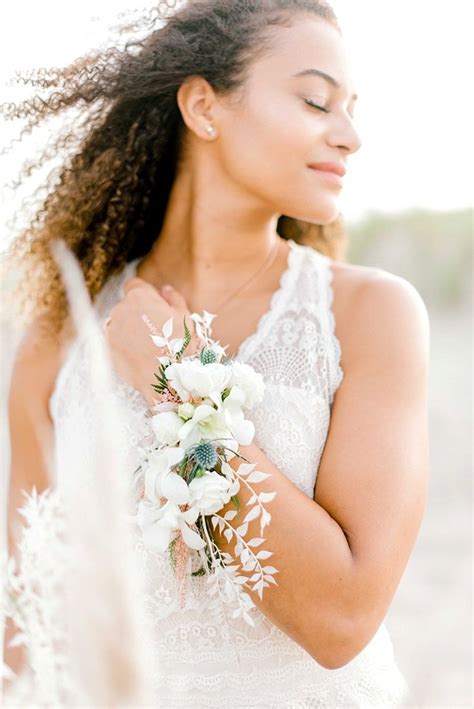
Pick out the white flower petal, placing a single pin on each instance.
(164, 360)
(159, 341)
(168, 328)
(216, 397)
(157, 537)
(210, 492)
(191, 515)
(176, 345)
(165, 426)
(150, 485)
(203, 412)
(192, 539)
(208, 317)
(175, 488)
(243, 431)
(249, 381)
(175, 455)
(236, 394)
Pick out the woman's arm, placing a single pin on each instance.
(31, 444)
(341, 556)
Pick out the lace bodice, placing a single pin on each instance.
(201, 658)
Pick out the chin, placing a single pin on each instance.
(323, 215)
(327, 219)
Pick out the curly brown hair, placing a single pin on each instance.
(108, 198)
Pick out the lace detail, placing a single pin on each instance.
(286, 277)
(337, 373)
(199, 655)
(281, 681)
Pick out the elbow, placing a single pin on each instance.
(335, 662)
(342, 646)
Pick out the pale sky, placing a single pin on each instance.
(410, 62)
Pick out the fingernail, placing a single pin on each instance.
(167, 287)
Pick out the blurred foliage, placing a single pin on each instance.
(432, 250)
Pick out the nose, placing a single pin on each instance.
(344, 135)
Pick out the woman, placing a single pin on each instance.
(230, 116)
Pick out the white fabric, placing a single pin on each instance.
(199, 659)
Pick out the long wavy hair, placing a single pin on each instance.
(107, 200)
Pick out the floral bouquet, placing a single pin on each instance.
(185, 479)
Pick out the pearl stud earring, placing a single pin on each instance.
(210, 130)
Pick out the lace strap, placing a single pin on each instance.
(335, 371)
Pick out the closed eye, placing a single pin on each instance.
(315, 105)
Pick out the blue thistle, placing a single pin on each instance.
(205, 455)
(207, 356)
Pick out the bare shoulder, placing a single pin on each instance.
(369, 303)
(37, 361)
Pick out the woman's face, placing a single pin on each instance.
(269, 138)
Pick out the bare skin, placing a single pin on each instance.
(232, 186)
(40, 363)
(239, 318)
(219, 225)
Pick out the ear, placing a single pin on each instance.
(197, 102)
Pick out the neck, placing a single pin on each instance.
(210, 244)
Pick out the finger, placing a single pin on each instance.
(174, 297)
(136, 282)
(178, 302)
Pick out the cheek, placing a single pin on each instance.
(263, 147)
(267, 149)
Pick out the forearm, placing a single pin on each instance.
(315, 565)
(14, 657)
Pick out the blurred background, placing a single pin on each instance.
(408, 210)
(430, 619)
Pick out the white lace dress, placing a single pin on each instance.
(200, 660)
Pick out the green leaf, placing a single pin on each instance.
(199, 572)
(182, 468)
(187, 339)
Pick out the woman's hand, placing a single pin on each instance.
(133, 352)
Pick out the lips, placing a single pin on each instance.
(336, 168)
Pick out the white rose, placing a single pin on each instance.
(193, 378)
(250, 381)
(211, 492)
(166, 426)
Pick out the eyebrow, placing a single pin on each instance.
(323, 75)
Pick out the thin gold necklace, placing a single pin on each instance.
(270, 258)
(266, 265)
